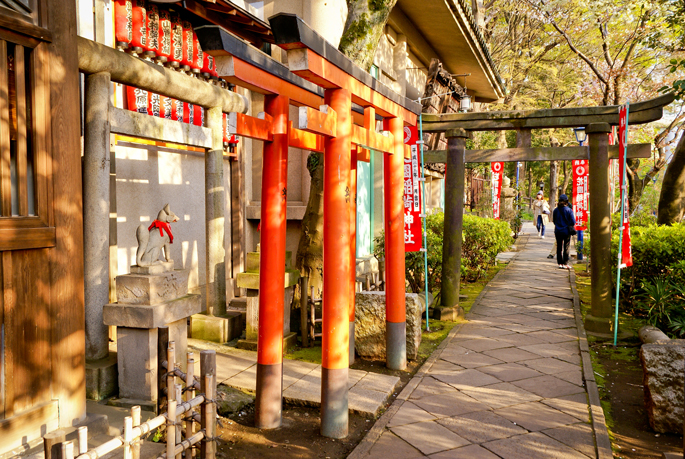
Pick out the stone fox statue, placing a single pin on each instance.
(153, 238)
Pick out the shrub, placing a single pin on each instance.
(657, 278)
(483, 239)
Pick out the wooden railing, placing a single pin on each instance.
(178, 412)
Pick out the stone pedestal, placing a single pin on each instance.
(250, 281)
(149, 298)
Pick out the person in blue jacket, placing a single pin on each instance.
(564, 221)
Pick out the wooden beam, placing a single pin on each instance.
(372, 140)
(315, 68)
(260, 128)
(249, 76)
(305, 140)
(322, 121)
(218, 19)
(129, 123)
(640, 150)
(441, 123)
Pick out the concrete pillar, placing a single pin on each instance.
(395, 278)
(599, 318)
(215, 209)
(96, 173)
(449, 308)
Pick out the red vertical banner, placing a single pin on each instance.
(136, 99)
(580, 192)
(497, 172)
(412, 194)
(626, 249)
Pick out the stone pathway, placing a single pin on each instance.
(509, 383)
(237, 368)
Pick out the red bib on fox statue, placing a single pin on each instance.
(163, 226)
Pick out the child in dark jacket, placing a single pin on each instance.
(564, 220)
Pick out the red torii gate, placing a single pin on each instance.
(328, 129)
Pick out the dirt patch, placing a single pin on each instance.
(622, 388)
(298, 437)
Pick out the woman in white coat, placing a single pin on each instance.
(541, 213)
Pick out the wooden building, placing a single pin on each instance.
(42, 342)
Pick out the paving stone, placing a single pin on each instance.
(443, 405)
(549, 365)
(578, 436)
(483, 344)
(303, 392)
(354, 376)
(501, 395)
(409, 413)
(366, 401)
(535, 445)
(520, 328)
(429, 387)
(548, 386)
(481, 332)
(575, 405)
(246, 380)
(391, 442)
(550, 350)
(378, 382)
(465, 379)
(535, 416)
(471, 359)
(428, 437)
(520, 339)
(511, 354)
(573, 376)
(443, 366)
(571, 333)
(508, 372)
(465, 452)
(228, 366)
(551, 336)
(570, 358)
(482, 426)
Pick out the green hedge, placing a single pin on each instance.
(482, 240)
(653, 287)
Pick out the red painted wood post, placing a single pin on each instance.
(353, 246)
(268, 403)
(336, 274)
(395, 310)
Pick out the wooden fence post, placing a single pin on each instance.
(135, 415)
(82, 440)
(128, 437)
(51, 440)
(190, 394)
(209, 417)
(170, 428)
(179, 400)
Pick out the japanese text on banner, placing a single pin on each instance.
(626, 250)
(412, 194)
(497, 171)
(580, 193)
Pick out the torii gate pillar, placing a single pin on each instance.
(599, 318)
(449, 308)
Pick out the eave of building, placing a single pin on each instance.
(449, 29)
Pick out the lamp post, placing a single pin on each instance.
(581, 137)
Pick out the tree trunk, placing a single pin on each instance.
(553, 180)
(568, 173)
(310, 249)
(672, 197)
(363, 29)
(530, 188)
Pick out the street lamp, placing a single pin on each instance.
(581, 135)
(465, 103)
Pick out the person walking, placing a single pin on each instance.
(541, 213)
(564, 228)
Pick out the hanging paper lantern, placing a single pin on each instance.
(152, 27)
(198, 116)
(136, 99)
(177, 110)
(165, 107)
(187, 59)
(164, 36)
(188, 112)
(198, 55)
(224, 123)
(153, 104)
(139, 35)
(176, 41)
(123, 23)
(208, 69)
